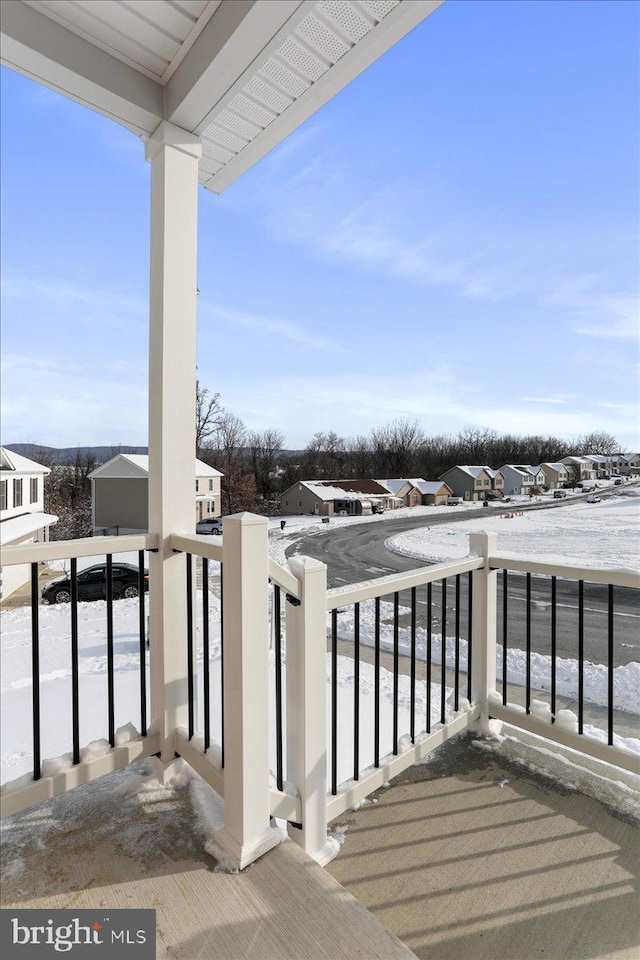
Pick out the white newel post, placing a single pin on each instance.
(247, 831)
(173, 154)
(483, 656)
(307, 706)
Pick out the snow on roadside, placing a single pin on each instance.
(602, 535)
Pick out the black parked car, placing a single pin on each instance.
(92, 584)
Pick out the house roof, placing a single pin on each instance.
(431, 486)
(553, 466)
(17, 528)
(367, 487)
(392, 485)
(125, 465)
(19, 464)
(240, 77)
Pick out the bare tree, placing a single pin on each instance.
(265, 448)
(208, 415)
(226, 452)
(599, 443)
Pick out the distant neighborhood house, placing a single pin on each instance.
(521, 479)
(473, 482)
(329, 498)
(120, 494)
(416, 492)
(22, 515)
(555, 475)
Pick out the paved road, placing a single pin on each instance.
(357, 553)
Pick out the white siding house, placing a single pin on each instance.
(22, 515)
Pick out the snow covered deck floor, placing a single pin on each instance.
(125, 841)
(469, 857)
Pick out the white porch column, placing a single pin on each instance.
(173, 154)
(483, 626)
(247, 831)
(307, 706)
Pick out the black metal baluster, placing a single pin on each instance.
(505, 608)
(75, 662)
(277, 624)
(413, 665)
(206, 673)
(190, 685)
(610, 667)
(443, 656)
(376, 692)
(554, 647)
(456, 694)
(580, 656)
(469, 634)
(142, 633)
(428, 655)
(528, 646)
(396, 665)
(110, 654)
(334, 702)
(356, 692)
(35, 670)
(222, 666)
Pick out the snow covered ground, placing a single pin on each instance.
(604, 535)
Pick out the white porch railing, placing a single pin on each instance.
(310, 720)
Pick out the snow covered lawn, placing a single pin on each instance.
(604, 535)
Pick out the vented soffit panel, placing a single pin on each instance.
(240, 74)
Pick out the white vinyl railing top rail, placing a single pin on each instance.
(381, 586)
(67, 549)
(199, 546)
(618, 577)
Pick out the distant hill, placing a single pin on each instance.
(68, 454)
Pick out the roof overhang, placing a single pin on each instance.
(239, 74)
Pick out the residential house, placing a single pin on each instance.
(633, 460)
(582, 468)
(521, 479)
(555, 475)
(472, 482)
(120, 494)
(416, 492)
(22, 515)
(328, 498)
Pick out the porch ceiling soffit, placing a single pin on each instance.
(239, 74)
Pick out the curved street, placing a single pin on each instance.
(355, 553)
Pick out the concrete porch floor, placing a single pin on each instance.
(470, 857)
(466, 857)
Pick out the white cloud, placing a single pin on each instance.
(609, 317)
(277, 327)
(553, 398)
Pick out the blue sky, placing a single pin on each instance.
(453, 238)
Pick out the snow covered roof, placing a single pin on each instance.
(392, 485)
(473, 471)
(552, 466)
(125, 465)
(16, 528)
(431, 486)
(19, 464)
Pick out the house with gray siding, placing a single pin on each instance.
(472, 482)
(520, 479)
(120, 494)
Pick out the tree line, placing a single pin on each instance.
(257, 467)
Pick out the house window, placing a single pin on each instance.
(17, 493)
(33, 490)
(196, 486)
(210, 486)
(3, 495)
(286, 503)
